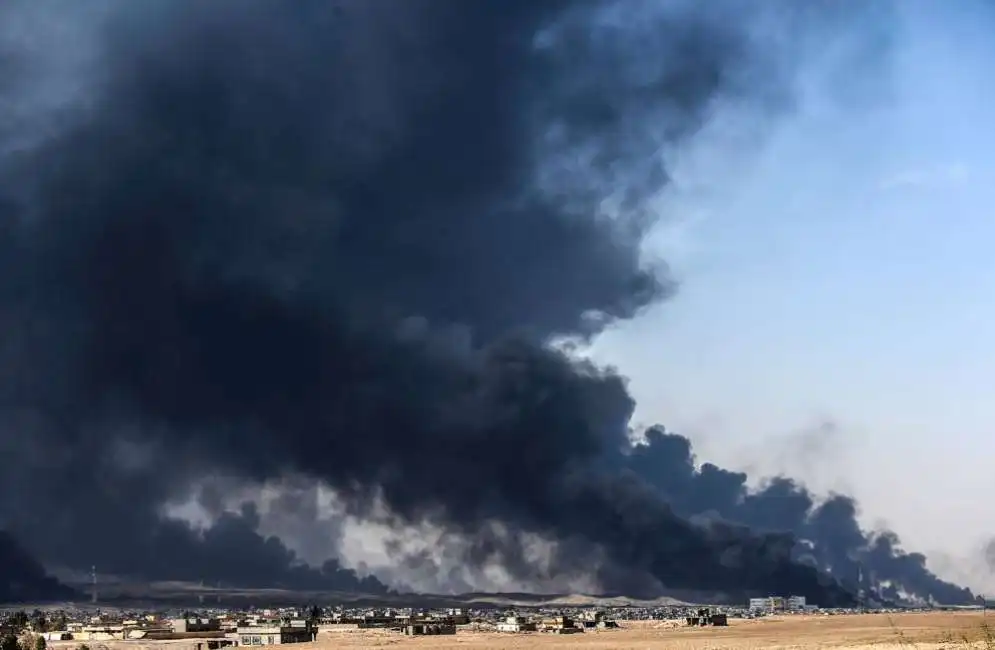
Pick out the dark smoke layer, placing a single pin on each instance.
(827, 532)
(336, 239)
(22, 578)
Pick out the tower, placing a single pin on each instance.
(93, 577)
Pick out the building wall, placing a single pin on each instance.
(769, 603)
(259, 639)
(273, 635)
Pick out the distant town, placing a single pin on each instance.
(88, 627)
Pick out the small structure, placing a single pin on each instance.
(560, 625)
(213, 644)
(705, 617)
(595, 620)
(99, 633)
(515, 624)
(429, 628)
(188, 625)
(376, 621)
(458, 616)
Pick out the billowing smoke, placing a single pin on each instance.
(828, 533)
(337, 240)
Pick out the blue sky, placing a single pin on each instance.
(837, 294)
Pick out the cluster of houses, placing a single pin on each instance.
(209, 633)
(276, 627)
(560, 624)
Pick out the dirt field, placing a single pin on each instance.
(931, 631)
(878, 631)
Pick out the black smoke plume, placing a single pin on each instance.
(337, 240)
(827, 532)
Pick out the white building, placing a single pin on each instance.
(796, 603)
(768, 604)
(515, 624)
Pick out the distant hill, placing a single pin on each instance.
(22, 577)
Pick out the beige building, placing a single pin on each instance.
(99, 633)
(275, 634)
(516, 624)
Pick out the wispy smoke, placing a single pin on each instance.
(334, 240)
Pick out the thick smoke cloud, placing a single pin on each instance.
(335, 240)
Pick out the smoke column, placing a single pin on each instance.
(335, 240)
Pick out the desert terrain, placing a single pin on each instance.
(927, 631)
(924, 631)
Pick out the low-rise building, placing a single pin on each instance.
(298, 631)
(458, 616)
(428, 628)
(560, 625)
(187, 625)
(515, 624)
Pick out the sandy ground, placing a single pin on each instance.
(925, 631)
(929, 631)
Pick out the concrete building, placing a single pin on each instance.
(768, 604)
(275, 633)
(516, 624)
(188, 625)
(376, 620)
(429, 628)
(560, 625)
(458, 615)
(796, 603)
(99, 633)
(705, 617)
